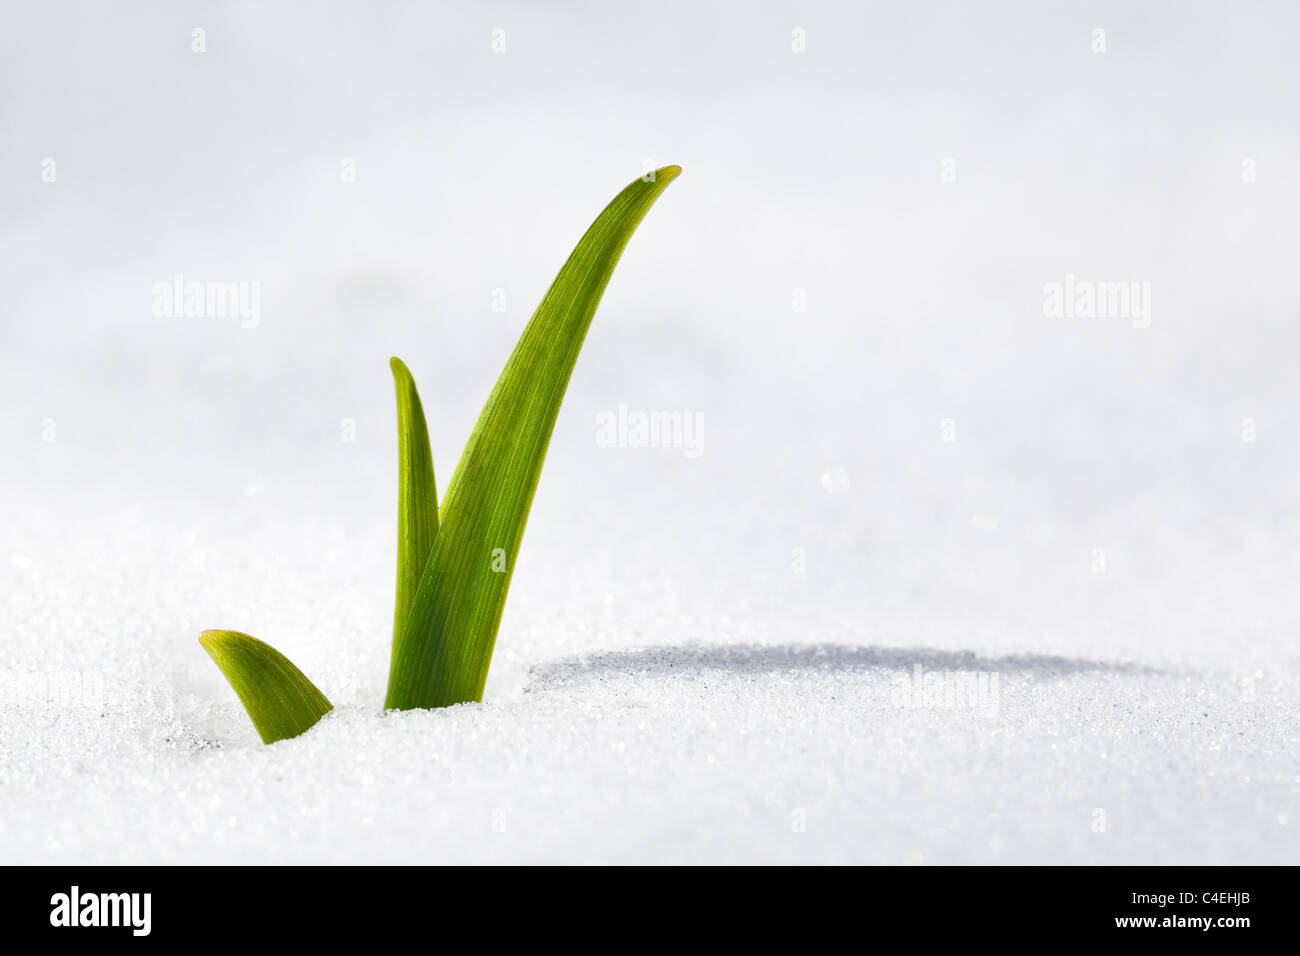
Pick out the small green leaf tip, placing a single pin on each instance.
(279, 698)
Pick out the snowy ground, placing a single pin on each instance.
(1092, 521)
(636, 712)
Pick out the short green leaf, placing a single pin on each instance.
(417, 494)
(279, 698)
(445, 647)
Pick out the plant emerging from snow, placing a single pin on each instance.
(454, 562)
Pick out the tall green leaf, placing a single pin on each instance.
(279, 698)
(445, 648)
(417, 494)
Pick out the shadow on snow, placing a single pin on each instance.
(778, 658)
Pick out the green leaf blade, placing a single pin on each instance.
(417, 494)
(446, 645)
(279, 699)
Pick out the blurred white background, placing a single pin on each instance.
(850, 271)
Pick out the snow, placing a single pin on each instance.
(638, 710)
(1088, 526)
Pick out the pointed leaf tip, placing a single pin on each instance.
(278, 697)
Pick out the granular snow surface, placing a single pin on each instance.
(634, 713)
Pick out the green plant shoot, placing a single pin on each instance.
(454, 563)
